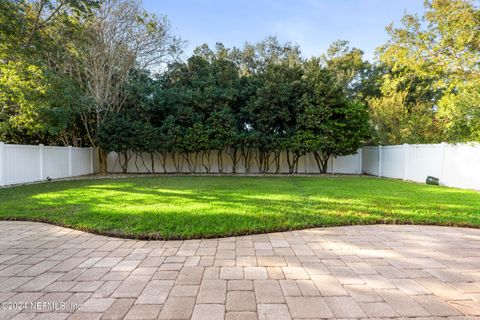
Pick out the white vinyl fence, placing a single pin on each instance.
(456, 165)
(142, 163)
(27, 163)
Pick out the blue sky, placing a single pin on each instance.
(313, 24)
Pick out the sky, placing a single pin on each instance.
(313, 24)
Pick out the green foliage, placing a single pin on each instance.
(349, 68)
(207, 105)
(249, 102)
(274, 106)
(397, 124)
(272, 111)
(339, 125)
(460, 113)
(434, 72)
(38, 104)
(119, 134)
(222, 130)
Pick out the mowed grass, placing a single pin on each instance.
(182, 207)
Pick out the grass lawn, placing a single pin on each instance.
(189, 207)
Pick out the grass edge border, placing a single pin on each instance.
(156, 237)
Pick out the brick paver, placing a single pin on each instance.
(359, 272)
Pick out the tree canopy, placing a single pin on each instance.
(433, 64)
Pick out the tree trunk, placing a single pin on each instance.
(276, 160)
(292, 160)
(125, 162)
(162, 155)
(246, 155)
(206, 160)
(266, 161)
(322, 161)
(102, 159)
(187, 157)
(233, 153)
(177, 162)
(140, 155)
(219, 161)
(263, 161)
(152, 162)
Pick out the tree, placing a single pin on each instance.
(297, 145)
(119, 37)
(38, 104)
(118, 134)
(273, 109)
(203, 95)
(403, 113)
(440, 53)
(150, 140)
(173, 136)
(44, 13)
(348, 66)
(460, 113)
(222, 134)
(336, 125)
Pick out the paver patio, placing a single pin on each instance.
(381, 271)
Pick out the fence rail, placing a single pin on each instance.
(28, 163)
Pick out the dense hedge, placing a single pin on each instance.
(210, 103)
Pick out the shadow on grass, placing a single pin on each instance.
(193, 207)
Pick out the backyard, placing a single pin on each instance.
(185, 207)
(239, 160)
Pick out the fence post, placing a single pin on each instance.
(91, 160)
(70, 165)
(405, 161)
(3, 165)
(41, 151)
(380, 161)
(444, 167)
(333, 165)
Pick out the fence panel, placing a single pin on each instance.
(461, 166)
(393, 161)
(424, 160)
(350, 164)
(56, 162)
(370, 160)
(81, 161)
(26, 163)
(455, 165)
(22, 164)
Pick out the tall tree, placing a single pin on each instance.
(273, 110)
(348, 66)
(439, 53)
(119, 37)
(333, 125)
(34, 94)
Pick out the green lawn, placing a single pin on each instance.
(189, 207)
